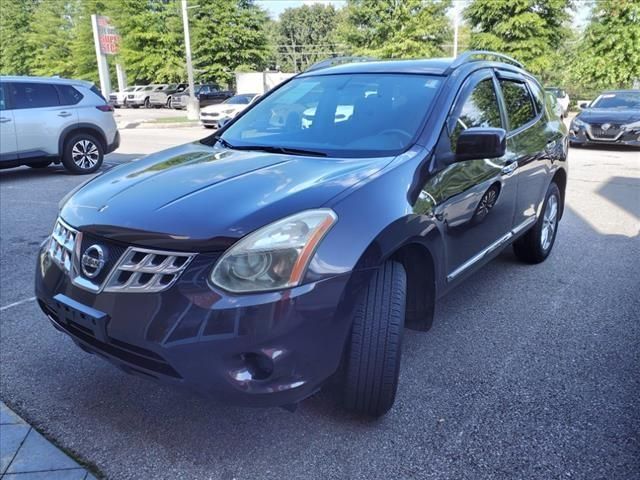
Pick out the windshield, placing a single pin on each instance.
(354, 115)
(239, 99)
(622, 100)
(558, 92)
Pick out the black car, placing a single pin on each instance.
(611, 119)
(299, 240)
(207, 94)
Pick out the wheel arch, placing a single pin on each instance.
(87, 128)
(560, 179)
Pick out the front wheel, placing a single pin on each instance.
(535, 245)
(82, 154)
(372, 359)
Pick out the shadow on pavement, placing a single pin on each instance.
(623, 192)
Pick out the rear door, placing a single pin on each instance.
(8, 142)
(533, 141)
(474, 199)
(40, 118)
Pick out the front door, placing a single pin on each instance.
(474, 200)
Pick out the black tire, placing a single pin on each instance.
(372, 359)
(147, 104)
(169, 102)
(79, 155)
(43, 164)
(531, 247)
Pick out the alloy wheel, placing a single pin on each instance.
(85, 154)
(549, 222)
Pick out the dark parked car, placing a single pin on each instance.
(252, 264)
(612, 118)
(207, 94)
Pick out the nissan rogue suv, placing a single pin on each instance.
(260, 261)
(53, 120)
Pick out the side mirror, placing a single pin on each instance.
(477, 142)
(583, 105)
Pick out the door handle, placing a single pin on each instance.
(509, 168)
(4, 119)
(64, 114)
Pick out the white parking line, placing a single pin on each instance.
(15, 304)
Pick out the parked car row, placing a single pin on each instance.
(172, 95)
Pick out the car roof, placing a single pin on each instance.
(56, 80)
(426, 66)
(630, 90)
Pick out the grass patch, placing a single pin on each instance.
(170, 120)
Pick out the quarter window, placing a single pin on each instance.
(519, 103)
(34, 95)
(480, 109)
(69, 95)
(538, 96)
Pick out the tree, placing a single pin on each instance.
(85, 65)
(49, 39)
(151, 49)
(227, 36)
(15, 24)
(608, 55)
(529, 30)
(306, 35)
(397, 28)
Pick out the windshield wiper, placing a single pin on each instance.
(284, 150)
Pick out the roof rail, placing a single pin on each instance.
(330, 62)
(468, 56)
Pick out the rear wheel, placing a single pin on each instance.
(535, 245)
(169, 102)
(372, 362)
(147, 104)
(83, 153)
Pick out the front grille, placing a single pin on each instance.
(138, 356)
(611, 133)
(125, 269)
(61, 246)
(142, 270)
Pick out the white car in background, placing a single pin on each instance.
(563, 99)
(55, 120)
(214, 116)
(140, 97)
(119, 99)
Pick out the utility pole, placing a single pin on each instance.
(193, 105)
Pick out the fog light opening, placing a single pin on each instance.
(259, 366)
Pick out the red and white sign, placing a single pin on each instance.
(107, 36)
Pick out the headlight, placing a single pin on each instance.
(275, 256)
(632, 126)
(578, 123)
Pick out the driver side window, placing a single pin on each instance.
(480, 109)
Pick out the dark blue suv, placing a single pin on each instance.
(298, 241)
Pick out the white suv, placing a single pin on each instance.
(45, 120)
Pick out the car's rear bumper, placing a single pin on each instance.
(115, 144)
(267, 349)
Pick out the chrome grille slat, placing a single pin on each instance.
(61, 246)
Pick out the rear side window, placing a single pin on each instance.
(69, 95)
(480, 109)
(97, 91)
(33, 95)
(518, 102)
(3, 102)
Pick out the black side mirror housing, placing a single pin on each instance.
(583, 105)
(479, 142)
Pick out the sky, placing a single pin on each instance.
(276, 7)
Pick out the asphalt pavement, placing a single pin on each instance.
(530, 372)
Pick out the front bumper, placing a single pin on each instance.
(210, 121)
(582, 136)
(267, 349)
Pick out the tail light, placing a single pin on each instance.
(105, 108)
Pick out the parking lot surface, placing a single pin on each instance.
(529, 371)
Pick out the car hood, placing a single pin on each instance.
(200, 198)
(611, 115)
(223, 107)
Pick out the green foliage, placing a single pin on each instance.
(529, 30)
(306, 35)
(15, 24)
(49, 39)
(82, 44)
(397, 28)
(608, 55)
(227, 36)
